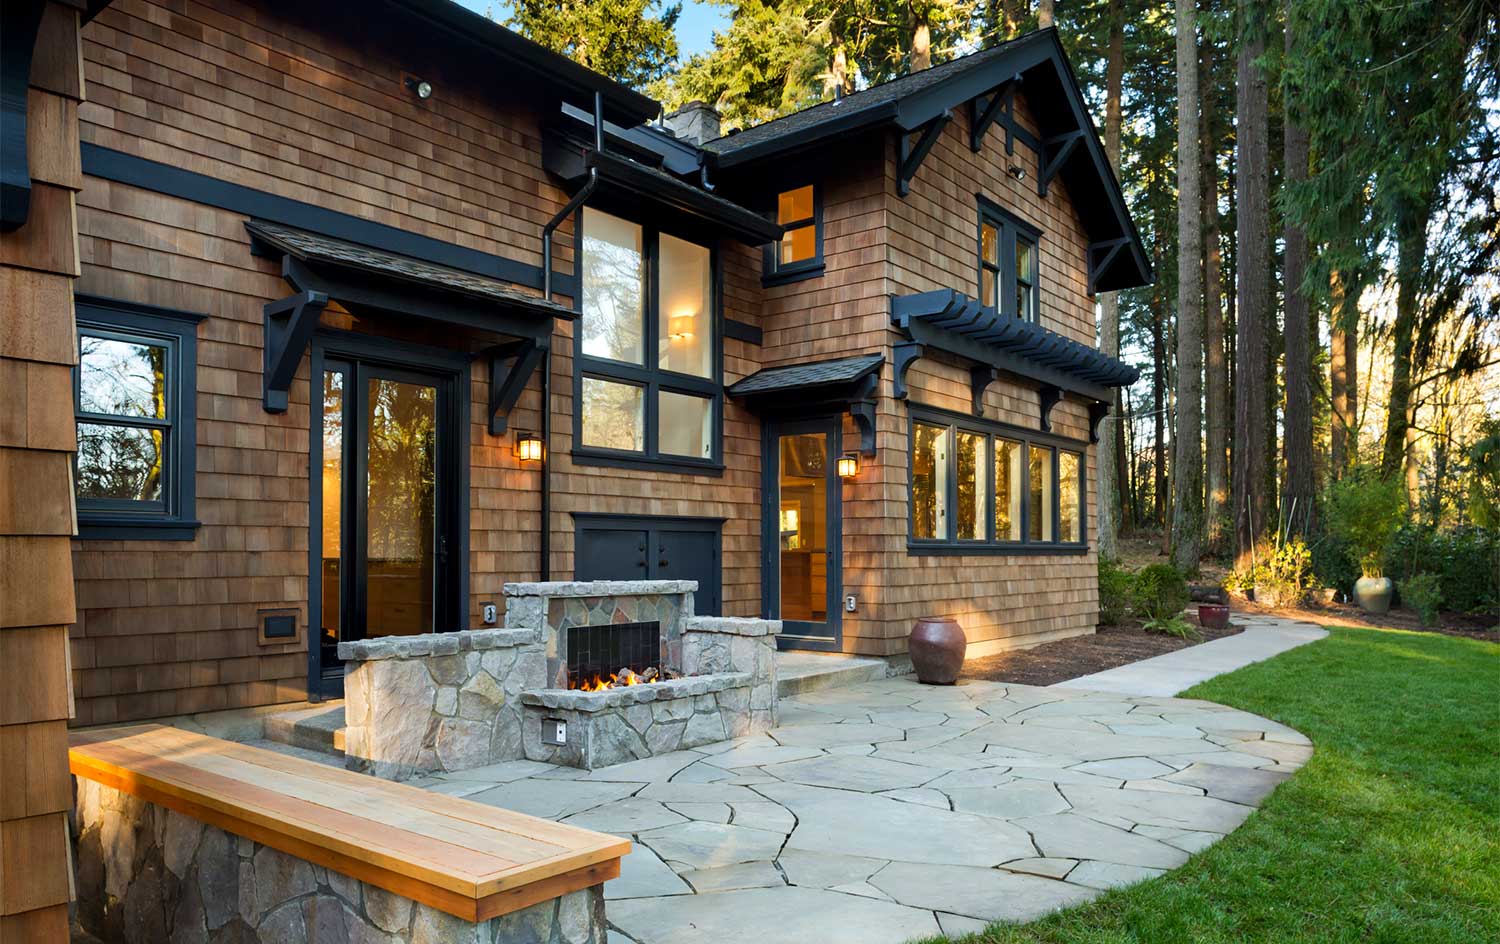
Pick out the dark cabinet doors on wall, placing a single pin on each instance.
(621, 547)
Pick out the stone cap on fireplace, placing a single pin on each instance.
(599, 588)
(732, 625)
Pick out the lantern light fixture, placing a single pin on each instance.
(528, 447)
(419, 87)
(848, 465)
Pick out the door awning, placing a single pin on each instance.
(949, 321)
(846, 383)
(321, 269)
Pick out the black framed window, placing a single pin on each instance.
(980, 487)
(799, 252)
(134, 396)
(648, 374)
(1009, 263)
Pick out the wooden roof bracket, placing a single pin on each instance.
(909, 156)
(1054, 153)
(1049, 396)
(289, 325)
(980, 378)
(1101, 254)
(982, 114)
(511, 367)
(863, 414)
(1098, 410)
(903, 356)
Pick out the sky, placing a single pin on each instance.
(695, 28)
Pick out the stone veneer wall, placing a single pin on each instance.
(439, 702)
(453, 701)
(149, 875)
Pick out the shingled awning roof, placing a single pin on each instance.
(792, 377)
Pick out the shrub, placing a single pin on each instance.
(1333, 565)
(1424, 593)
(1465, 559)
(1161, 592)
(1364, 511)
(1115, 586)
(1172, 626)
(1288, 571)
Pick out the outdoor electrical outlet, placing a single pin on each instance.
(850, 604)
(488, 614)
(554, 731)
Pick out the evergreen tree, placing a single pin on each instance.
(624, 39)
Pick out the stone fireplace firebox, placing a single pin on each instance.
(452, 701)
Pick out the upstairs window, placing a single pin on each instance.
(134, 401)
(647, 367)
(799, 252)
(1008, 263)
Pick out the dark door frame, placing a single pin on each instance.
(770, 529)
(653, 524)
(449, 371)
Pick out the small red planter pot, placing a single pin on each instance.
(937, 648)
(1213, 615)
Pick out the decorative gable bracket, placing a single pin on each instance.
(910, 155)
(511, 367)
(1054, 153)
(1101, 254)
(984, 112)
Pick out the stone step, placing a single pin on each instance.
(319, 728)
(798, 673)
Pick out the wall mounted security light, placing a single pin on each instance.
(418, 87)
(1017, 171)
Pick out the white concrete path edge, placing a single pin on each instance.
(1174, 672)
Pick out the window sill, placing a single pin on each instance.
(616, 461)
(793, 275)
(996, 550)
(137, 529)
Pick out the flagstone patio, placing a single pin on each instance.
(891, 810)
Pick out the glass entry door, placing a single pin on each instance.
(802, 534)
(387, 504)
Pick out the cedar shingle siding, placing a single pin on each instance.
(305, 102)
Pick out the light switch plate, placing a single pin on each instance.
(850, 604)
(488, 614)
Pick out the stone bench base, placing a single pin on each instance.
(624, 724)
(148, 875)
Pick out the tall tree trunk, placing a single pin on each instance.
(1253, 269)
(1343, 375)
(1110, 454)
(1298, 490)
(1044, 14)
(921, 41)
(1159, 407)
(1187, 436)
(1411, 250)
(1216, 360)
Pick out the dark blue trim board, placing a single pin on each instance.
(123, 168)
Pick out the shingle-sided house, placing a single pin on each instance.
(382, 306)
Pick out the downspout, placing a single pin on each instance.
(568, 210)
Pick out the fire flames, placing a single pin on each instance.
(621, 679)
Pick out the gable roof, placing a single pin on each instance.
(911, 101)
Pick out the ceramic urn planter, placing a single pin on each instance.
(937, 648)
(1373, 594)
(1213, 615)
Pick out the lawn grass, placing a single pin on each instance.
(1391, 833)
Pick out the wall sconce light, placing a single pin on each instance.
(1017, 171)
(528, 447)
(848, 465)
(680, 327)
(418, 87)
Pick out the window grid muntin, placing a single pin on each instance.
(773, 268)
(998, 280)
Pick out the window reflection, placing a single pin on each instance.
(613, 316)
(973, 486)
(803, 514)
(122, 392)
(1007, 490)
(401, 507)
(333, 511)
(614, 415)
(1069, 496)
(1040, 486)
(929, 482)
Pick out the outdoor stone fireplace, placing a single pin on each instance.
(453, 701)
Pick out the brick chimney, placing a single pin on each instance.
(695, 122)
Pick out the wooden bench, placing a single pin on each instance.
(465, 858)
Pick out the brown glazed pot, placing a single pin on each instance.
(1213, 615)
(937, 649)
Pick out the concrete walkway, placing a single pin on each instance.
(1264, 637)
(891, 810)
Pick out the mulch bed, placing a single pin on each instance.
(1108, 648)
